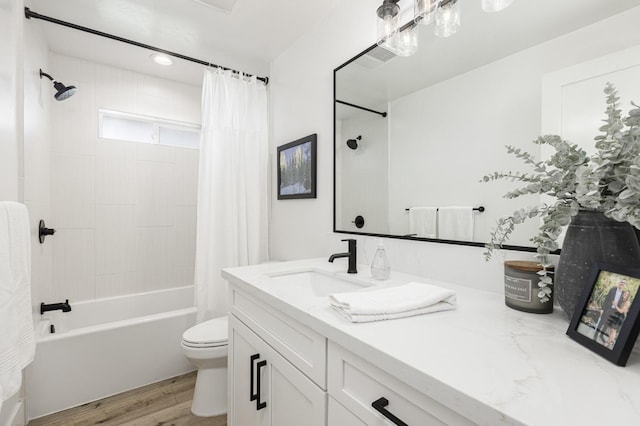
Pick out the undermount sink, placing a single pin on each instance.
(315, 283)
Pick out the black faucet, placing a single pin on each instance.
(351, 255)
(64, 307)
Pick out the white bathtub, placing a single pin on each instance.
(107, 346)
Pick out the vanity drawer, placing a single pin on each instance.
(356, 384)
(303, 347)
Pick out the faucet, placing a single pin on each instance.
(64, 307)
(351, 255)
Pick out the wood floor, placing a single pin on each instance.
(166, 403)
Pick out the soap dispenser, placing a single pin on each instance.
(380, 266)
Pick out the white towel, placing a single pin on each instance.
(17, 344)
(423, 221)
(393, 302)
(455, 223)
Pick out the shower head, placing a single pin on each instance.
(353, 143)
(62, 92)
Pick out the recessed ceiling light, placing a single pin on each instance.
(161, 59)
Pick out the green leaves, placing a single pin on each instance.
(608, 181)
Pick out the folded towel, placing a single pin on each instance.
(17, 343)
(393, 302)
(423, 221)
(455, 223)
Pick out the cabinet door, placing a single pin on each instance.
(283, 395)
(243, 410)
(340, 416)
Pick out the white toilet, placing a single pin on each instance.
(205, 345)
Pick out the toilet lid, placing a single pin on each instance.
(209, 333)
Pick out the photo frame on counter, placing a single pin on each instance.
(297, 168)
(606, 318)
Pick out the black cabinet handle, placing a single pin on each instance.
(380, 406)
(259, 405)
(253, 396)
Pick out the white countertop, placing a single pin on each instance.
(492, 364)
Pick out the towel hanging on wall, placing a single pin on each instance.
(455, 223)
(17, 344)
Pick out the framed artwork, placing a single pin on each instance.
(297, 169)
(606, 317)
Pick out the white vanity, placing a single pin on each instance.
(294, 361)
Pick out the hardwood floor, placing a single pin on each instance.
(166, 403)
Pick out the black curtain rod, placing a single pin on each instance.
(477, 209)
(384, 114)
(28, 13)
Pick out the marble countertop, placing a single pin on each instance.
(490, 363)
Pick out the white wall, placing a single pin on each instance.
(10, 100)
(124, 212)
(301, 103)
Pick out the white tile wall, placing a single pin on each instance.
(124, 212)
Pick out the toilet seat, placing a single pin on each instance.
(209, 334)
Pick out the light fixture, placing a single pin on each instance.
(388, 20)
(403, 40)
(495, 5)
(425, 11)
(161, 59)
(62, 92)
(447, 19)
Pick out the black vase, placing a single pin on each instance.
(591, 238)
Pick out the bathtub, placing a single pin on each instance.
(107, 346)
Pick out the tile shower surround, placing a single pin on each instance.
(124, 212)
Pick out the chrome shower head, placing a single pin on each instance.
(353, 143)
(62, 92)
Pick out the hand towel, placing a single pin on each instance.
(393, 302)
(423, 221)
(17, 343)
(455, 223)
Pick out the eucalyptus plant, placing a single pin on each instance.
(607, 182)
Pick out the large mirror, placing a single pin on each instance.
(421, 131)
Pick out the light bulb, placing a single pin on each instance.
(447, 19)
(495, 5)
(425, 10)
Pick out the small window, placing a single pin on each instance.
(138, 128)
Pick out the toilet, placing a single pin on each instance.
(205, 345)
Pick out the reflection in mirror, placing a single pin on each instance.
(429, 126)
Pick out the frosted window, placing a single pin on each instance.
(127, 129)
(186, 138)
(138, 128)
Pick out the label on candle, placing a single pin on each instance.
(517, 289)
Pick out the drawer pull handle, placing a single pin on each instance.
(259, 405)
(380, 406)
(253, 395)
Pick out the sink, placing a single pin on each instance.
(314, 283)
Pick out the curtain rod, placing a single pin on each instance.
(384, 114)
(28, 13)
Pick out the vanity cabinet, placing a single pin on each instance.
(265, 388)
(283, 373)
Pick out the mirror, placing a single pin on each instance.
(421, 131)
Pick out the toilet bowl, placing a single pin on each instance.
(205, 345)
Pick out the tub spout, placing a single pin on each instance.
(64, 307)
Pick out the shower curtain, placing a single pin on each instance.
(232, 184)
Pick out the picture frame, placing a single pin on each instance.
(297, 168)
(606, 319)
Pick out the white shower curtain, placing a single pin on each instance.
(232, 184)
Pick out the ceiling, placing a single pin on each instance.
(240, 34)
